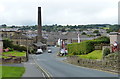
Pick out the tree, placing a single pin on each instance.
(7, 43)
(13, 26)
(4, 26)
(84, 33)
(109, 30)
(104, 38)
(114, 28)
(96, 31)
(63, 30)
(98, 34)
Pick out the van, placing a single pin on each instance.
(39, 51)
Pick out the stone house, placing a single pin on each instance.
(1, 45)
(72, 37)
(7, 34)
(20, 39)
(114, 36)
(51, 41)
(9, 29)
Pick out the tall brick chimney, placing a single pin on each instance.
(39, 25)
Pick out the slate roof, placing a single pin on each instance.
(67, 35)
(114, 33)
(20, 36)
(38, 44)
(83, 38)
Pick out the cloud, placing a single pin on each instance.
(24, 12)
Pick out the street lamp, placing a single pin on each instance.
(27, 54)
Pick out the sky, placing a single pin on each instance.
(63, 12)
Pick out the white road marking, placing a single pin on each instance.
(41, 59)
(43, 74)
(46, 72)
(29, 63)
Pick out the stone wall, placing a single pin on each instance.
(98, 47)
(23, 59)
(107, 65)
(104, 47)
(13, 60)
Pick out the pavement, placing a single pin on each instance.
(14, 65)
(31, 69)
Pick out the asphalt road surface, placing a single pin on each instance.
(56, 68)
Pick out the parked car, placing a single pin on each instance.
(39, 51)
(49, 51)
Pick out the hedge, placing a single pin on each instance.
(85, 47)
(19, 48)
(80, 48)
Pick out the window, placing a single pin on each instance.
(17, 42)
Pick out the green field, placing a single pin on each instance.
(14, 53)
(96, 54)
(106, 28)
(8, 71)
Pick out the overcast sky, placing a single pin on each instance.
(24, 12)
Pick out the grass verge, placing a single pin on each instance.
(13, 53)
(8, 72)
(0, 72)
(96, 54)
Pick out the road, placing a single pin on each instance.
(56, 68)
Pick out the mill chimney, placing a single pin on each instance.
(39, 25)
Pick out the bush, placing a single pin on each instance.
(22, 48)
(113, 56)
(104, 38)
(106, 51)
(33, 51)
(10, 49)
(19, 48)
(84, 33)
(7, 43)
(96, 31)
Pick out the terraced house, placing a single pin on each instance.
(20, 39)
(7, 33)
(1, 44)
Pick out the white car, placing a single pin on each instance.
(39, 51)
(49, 51)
